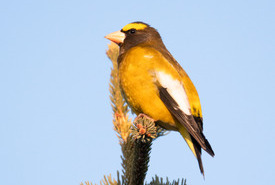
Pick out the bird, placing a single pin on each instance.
(154, 84)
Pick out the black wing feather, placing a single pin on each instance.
(188, 121)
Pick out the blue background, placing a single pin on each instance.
(55, 113)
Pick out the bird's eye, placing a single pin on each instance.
(132, 30)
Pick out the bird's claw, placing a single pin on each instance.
(143, 116)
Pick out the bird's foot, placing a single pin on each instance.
(143, 116)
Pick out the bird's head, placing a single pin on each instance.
(133, 34)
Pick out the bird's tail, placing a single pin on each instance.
(193, 145)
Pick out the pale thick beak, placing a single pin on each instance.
(116, 37)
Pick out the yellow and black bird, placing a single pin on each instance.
(154, 84)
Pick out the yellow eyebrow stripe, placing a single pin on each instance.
(137, 26)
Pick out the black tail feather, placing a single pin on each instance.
(198, 154)
(208, 149)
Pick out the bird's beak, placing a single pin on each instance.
(116, 37)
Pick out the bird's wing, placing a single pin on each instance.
(189, 87)
(175, 98)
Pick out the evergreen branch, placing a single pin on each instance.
(136, 151)
(121, 119)
(127, 157)
(160, 181)
(141, 162)
(135, 161)
(107, 180)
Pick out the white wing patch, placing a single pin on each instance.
(148, 56)
(175, 89)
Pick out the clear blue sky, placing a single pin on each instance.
(55, 113)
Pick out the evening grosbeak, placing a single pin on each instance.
(154, 84)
